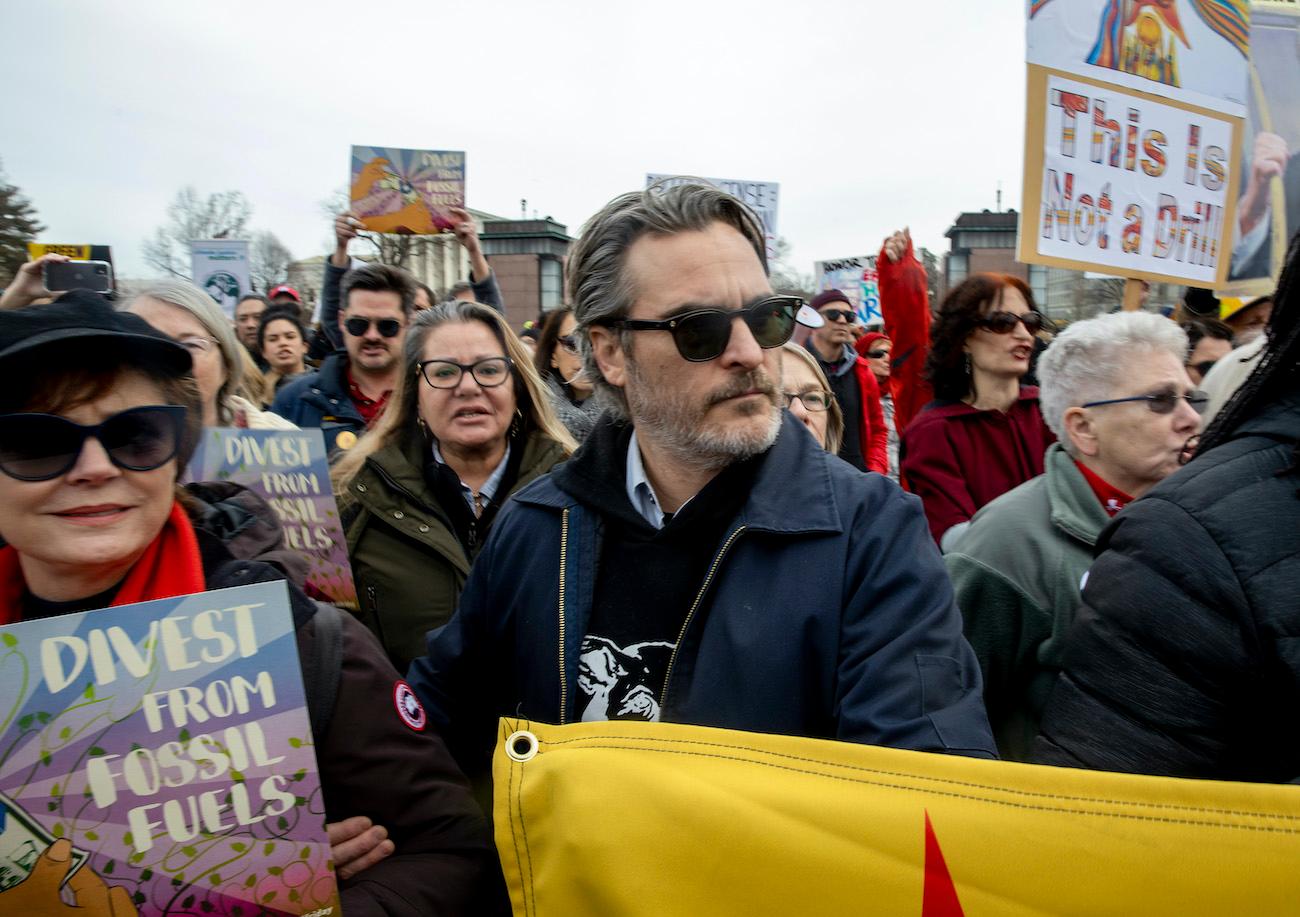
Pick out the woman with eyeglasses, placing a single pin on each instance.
(468, 424)
(559, 364)
(807, 395)
(98, 416)
(1115, 391)
(222, 366)
(984, 433)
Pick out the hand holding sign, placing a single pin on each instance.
(39, 892)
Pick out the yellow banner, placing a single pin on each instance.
(75, 252)
(663, 819)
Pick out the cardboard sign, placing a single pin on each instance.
(220, 268)
(170, 743)
(1126, 184)
(288, 469)
(762, 197)
(407, 191)
(857, 279)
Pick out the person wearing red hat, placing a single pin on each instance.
(852, 382)
(876, 347)
(284, 294)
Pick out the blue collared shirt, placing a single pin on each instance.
(639, 489)
(489, 489)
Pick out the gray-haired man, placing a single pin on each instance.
(701, 559)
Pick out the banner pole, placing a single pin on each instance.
(1132, 295)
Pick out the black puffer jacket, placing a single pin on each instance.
(1185, 658)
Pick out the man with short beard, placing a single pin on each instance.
(700, 559)
(349, 391)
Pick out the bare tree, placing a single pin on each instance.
(268, 260)
(223, 215)
(785, 278)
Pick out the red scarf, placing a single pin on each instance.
(169, 567)
(1112, 498)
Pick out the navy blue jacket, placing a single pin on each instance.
(831, 616)
(321, 399)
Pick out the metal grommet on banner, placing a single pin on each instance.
(522, 746)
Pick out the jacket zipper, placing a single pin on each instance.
(374, 609)
(564, 554)
(708, 579)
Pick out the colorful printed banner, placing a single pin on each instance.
(762, 197)
(289, 470)
(220, 268)
(1125, 184)
(170, 743)
(857, 279)
(711, 821)
(1188, 51)
(407, 191)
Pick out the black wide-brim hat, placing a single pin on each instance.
(83, 318)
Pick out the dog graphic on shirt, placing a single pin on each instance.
(622, 683)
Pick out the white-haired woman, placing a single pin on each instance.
(1115, 392)
(469, 423)
(221, 364)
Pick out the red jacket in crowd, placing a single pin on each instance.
(957, 458)
(871, 425)
(905, 305)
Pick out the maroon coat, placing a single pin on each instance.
(956, 458)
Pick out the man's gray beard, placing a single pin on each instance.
(668, 419)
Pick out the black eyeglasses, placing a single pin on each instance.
(1203, 367)
(488, 372)
(836, 315)
(812, 401)
(358, 326)
(569, 342)
(702, 335)
(1005, 322)
(41, 447)
(1162, 402)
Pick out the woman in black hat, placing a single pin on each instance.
(99, 413)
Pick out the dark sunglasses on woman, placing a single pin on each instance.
(41, 447)
(703, 335)
(569, 342)
(1005, 322)
(1161, 402)
(358, 326)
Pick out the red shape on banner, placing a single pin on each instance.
(940, 894)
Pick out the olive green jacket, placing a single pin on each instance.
(407, 562)
(1017, 572)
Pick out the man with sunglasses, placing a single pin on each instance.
(853, 384)
(701, 559)
(352, 386)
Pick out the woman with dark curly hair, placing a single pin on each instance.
(983, 434)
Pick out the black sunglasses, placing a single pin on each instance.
(1161, 403)
(1203, 367)
(569, 342)
(41, 447)
(835, 315)
(702, 335)
(1005, 322)
(877, 354)
(358, 326)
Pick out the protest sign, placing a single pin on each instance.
(407, 191)
(288, 469)
(169, 742)
(734, 823)
(762, 197)
(220, 268)
(856, 278)
(1268, 213)
(1131, 143)
(1187, 51)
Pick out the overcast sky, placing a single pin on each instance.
(869, 114)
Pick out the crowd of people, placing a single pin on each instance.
(655, 505)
